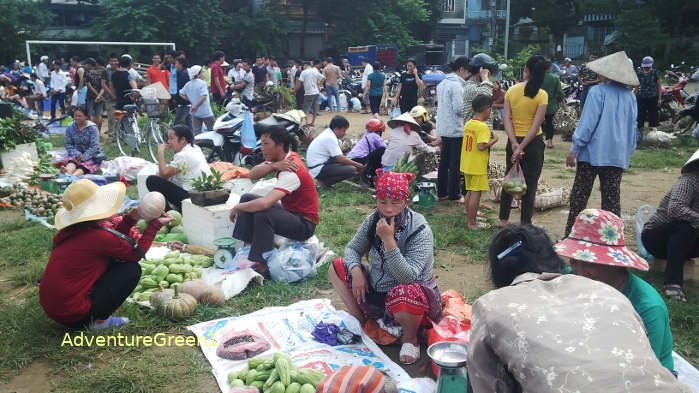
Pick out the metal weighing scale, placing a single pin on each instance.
(223, 257)
(451, 357)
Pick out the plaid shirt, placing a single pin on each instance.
(680, 204)
(586, 74)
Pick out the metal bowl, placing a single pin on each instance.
(449, 354)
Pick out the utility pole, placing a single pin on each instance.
(493, 27)
(507, 28)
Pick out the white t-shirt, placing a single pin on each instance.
(194, 90)
(365, 75)
(292, 77)
(322, 149)
(249, 89)
(134, 75)
(39, 88)
(42, 70)
(310, 79)
(59, 80)
(237, 75)
(191, 162)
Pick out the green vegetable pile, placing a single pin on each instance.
(405, 166)
(168, 233)
(44, 166)
(514, 186)
(39, 203)
(173, 269)
(276, 375)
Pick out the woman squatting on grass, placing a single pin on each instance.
(398, 284)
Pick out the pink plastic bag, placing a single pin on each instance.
(448, 329)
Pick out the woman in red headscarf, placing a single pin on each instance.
(398, 284)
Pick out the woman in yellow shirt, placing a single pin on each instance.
(525, 109)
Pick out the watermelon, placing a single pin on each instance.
(177, 229)
(163, 231)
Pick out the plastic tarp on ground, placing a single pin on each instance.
(288, 329)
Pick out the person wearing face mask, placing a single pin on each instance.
(648, 93)
(398, 285)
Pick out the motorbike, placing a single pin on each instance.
(224, 142)
(686, 120)
(572, 89)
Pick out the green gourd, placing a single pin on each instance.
(179, 306)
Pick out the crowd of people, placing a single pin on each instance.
(541, 330)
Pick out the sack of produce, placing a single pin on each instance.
(514, 183)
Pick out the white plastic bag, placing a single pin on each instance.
(292, 263)
(643, 214)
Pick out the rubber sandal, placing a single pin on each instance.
(481, 225)
(480, 214)
(675, 292)
(486, 206)
(411, 351)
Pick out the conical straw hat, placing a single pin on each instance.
(694, 157)
(615, 67)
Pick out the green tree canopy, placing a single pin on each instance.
(20, 20)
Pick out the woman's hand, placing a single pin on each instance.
(359, 285)
(134, 214)
(517, 152)
(571, 160)
(162, 148)
(165, 219)
(384, 229)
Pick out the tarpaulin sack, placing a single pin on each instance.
(247, 135)
(448, 329)
(453, 304)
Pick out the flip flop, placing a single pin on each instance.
(481, 225)
(480, 214)
(411, 351)
(486, 206)
(674, 292)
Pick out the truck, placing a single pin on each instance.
(387, 54)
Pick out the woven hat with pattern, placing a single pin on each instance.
(598, 237)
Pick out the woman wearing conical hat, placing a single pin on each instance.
(605, 137)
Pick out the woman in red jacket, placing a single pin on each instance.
(92, 270)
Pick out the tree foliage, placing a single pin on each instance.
(364, 22)
(634, 23)
(197, 27)
(20, 20)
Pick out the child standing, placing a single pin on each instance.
(474, 157)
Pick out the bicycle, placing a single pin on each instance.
(130, 137)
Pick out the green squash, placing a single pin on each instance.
(177, 307)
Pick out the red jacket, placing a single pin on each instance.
(81, 255)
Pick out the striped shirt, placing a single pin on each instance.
(356, 379)
(681, 203)
(471, 90)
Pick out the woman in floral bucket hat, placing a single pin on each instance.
(596, 250)
(541, 331)
(398, 284)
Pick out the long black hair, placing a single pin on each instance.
(537, 66)
(182, 131)
(535, 254)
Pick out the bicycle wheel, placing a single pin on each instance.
(153, 139)
(123, 130)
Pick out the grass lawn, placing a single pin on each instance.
(32, 338)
